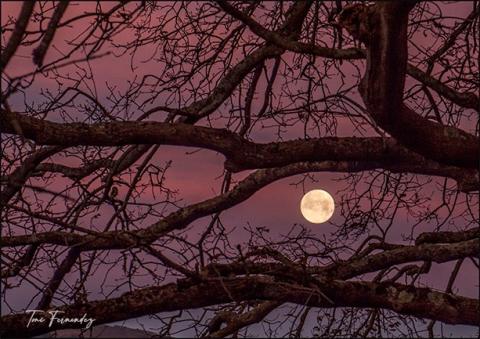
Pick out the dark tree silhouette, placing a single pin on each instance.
(383, 95)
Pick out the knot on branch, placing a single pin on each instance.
(356, 19)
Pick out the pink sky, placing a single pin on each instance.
(197, 176)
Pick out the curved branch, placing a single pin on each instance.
(409, 300)
(354, 267)
(438, 253)
(179, 219)
(236, 322)
(467, 100)
(16, 180)
(241, 154)
(287, 43)
(295, 16)
(383, 83)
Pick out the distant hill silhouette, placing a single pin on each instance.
(101, 331)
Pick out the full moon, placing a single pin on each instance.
(317, 206)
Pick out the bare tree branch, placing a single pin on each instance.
(17, 35)
(40, 52)
(403, 299)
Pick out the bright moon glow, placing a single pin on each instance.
(317, 206)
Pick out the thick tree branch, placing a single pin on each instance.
(355, 266)
(210, 80)
(295, 17)
(56, 280)
(438, 253)
(240, 153)
(179, 219)
(383, 84)
(74, 173)
(25, 260)
(284, 41)
(448, 237)
(463, 99)
(467, 100)
(409, 300)
(16, 180)
(236, 322)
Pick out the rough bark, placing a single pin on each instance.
(467, 100)
(419, 302)
(383, 84)
(174, 221)
(240, 153)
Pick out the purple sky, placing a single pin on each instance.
(198, 176)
